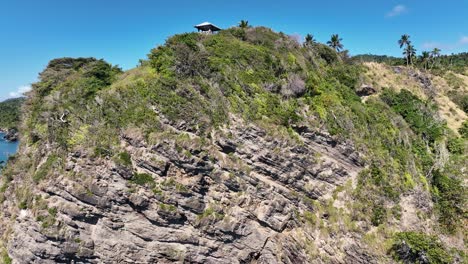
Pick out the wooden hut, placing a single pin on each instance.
(207, 28)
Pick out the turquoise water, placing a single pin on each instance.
(6, 149)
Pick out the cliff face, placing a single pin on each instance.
(241, 147)
(236, 198)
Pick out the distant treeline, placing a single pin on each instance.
(10, 111)
(454, 62)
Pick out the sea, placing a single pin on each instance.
(6, 149)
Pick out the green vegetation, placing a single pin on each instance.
(47, 220)
(124, 158)
(419, 114)
(450, 197)
(437, 64)
(244, 24)
(199, 81)
(464, 130)
(142, 179)
(6, 258)
(335, 42)
(45, 168)
(413, 247)
(211, 212)
(10, 111)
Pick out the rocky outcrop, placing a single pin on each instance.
(365, 90)
(240, 198)
(11, 135)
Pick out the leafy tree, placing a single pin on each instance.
(309, 40)
(335, 42)
(244, 24)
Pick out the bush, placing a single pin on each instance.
(379, 215)
(125, 158)
(326, 53)
(414, 247)
(450, 197)
(418, 114)
(463, 130)
(456, 145)
(142, 179)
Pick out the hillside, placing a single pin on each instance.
(10, 111)
(238, 147)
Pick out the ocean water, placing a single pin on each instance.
(6, 149)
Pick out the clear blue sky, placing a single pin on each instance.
(123, 31)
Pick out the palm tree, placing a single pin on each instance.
(335, 42)
(425, 58)
(404, 40)
(309, 40)
(244, 24)
(409, 52)
(435, 53)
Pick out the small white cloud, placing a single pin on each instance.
(446, 46)
(20, 91)
(432, 45)
(463, 40)
(397, 10)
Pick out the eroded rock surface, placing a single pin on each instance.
(236, 199)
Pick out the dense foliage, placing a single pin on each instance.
(413, 247)
(10, 111)
(438, 64)
(418, 114)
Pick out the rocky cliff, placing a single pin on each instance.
(241, 147)
(241, 197)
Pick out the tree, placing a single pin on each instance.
(425, 58)
(335, 42)
(309, 40)
(244, 24)
(404, 41)
(410, 53)
(435, 54)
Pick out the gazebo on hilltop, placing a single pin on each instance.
(207, 28)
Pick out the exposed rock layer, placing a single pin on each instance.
(236, 199)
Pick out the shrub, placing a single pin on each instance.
(418, 114)
(456, 145)
(124, 158)
(6, 258)
(46, 168)
(414, 247)
(379, 215)
(450, 197)
(326, 53)
(463, 130)
(142, 179)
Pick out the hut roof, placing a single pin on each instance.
(207, 26)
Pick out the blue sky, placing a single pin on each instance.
(123, 31)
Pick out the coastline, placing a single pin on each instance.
(10, 135)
